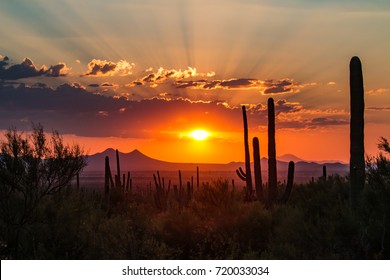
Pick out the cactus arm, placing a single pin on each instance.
(247, 155)
(241, 174)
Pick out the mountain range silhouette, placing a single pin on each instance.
(137, 161)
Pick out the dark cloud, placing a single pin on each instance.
(162, 75)
(219, 84)
(308, 123)
(4, 62)
(283, 86)
(58, 70)
(378, 108)
(136, 83)
(106, 84)
(189, 84)
(151, 78)
(99, 67)
(26, 69)
(256, 108)
(238, 83)
(70, 108)
(265, 87)
(282, 106)
(328, 121)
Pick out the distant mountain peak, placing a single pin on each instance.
(289, 157)
(106, 151)
(136, 151)
(112, 150)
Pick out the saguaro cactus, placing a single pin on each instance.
(197, 177)
(257, 169)
(248, 175)
(118, 168)
(356, 164)
(290, 182)
(324, 174)
(272, 172)
(129, 184)
(161, 195)
(107, 176)
(180, 181)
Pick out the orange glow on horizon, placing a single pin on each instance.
(228, 146)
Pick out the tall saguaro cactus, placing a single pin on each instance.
(290, 182)
(248, 176)
(197, 178)
(356, 163)
(257, 169)
(324, 176)
(107, 176)
(272, 173)
(118, 168)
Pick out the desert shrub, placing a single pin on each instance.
(216, 203)
(67, 227)
(254, 230)
(208, 227)
(76, 225)
(317, 223)
(177, 230)
(375, 210)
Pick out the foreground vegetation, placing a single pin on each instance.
(316, 223)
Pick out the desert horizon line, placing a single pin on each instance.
(284, 158)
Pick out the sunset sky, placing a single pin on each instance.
(144, 74)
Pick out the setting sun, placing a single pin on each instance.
(199, 135)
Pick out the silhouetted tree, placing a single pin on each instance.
(378, 167)
(31, 168)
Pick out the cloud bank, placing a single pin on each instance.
(70, 108)
(149, 104)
